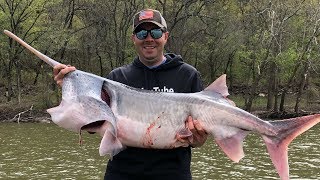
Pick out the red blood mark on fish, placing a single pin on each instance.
(148, 139)
(151, 126)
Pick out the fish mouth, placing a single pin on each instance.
(91, 127)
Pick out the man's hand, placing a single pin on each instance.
(199, 135)
(60, 70)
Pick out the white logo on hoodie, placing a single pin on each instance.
(165, 89)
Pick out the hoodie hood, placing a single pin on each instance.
(173, 75)
(172, 60)
(153, 78)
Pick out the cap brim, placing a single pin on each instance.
(148, 21)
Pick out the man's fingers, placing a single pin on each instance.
(199, 135)
(199, 128)
(183, 140)
(189, 124)
(195, 126)
(57, 68)
(190, 139)
(60, 70)
(59, 83)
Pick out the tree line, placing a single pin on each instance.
(264, 47)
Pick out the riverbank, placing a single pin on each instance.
(23, 112)
(25, 117)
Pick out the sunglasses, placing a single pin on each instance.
(155, 33)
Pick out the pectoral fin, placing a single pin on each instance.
(110, 144)
(232, 146)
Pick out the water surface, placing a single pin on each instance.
(45, 151)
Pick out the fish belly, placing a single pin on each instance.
(147, 135)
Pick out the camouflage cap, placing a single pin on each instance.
(149, 15)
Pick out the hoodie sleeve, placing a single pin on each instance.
(197, 84)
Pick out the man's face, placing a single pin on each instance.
(150, 50)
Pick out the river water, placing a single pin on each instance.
(45, 151)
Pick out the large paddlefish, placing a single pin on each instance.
(126, 116)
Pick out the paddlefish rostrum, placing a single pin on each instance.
(127, 116)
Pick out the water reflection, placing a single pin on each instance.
(42, 151)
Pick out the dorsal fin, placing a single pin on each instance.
(219, 86)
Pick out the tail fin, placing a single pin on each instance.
(288, 129)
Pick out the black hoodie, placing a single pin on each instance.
(172, 76)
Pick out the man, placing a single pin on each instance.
(154, 70)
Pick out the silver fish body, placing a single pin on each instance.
(160, 116)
